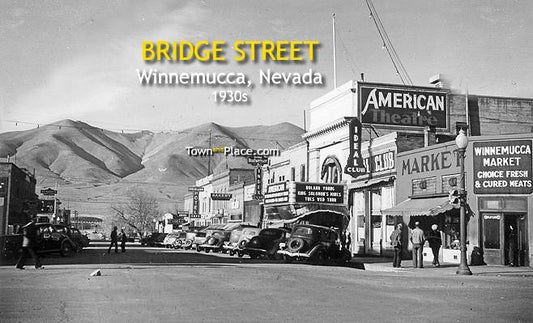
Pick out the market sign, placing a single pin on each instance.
(195, 189)
(221, 196)
(503, 167)
(354, 165)
(400, 105)
(277, 193)
(319, 193)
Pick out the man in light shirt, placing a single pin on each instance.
(417, 239)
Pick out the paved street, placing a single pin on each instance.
(158, 285)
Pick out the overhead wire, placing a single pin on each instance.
(400, 69)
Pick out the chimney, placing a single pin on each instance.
(439, 81)
(430, 136)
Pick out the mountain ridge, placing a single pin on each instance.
(95, 167)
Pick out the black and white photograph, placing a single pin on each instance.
(266, 161)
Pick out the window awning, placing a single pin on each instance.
(430, 206)
(371, 182)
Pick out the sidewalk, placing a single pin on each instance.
(384, 264)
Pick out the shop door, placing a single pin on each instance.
(515, 240)
(492, 237)
(523, 259)
(376, 235)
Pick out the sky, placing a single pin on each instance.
(78, 59)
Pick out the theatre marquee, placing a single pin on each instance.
(403, 106)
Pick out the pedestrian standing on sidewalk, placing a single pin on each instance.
(29, 243)
(396, 241)
(435, 241)
(113, 240)
(123, 238)
(417, 239)
(512, 246)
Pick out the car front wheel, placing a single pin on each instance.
(66, 249)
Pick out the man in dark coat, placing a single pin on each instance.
(123, 239)
(114, 240)
(396, 242)
(435, 241)
(29, 242)
(512, 246)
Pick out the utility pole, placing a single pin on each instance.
(209, 155)
(334, 55)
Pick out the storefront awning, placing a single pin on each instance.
(371, 182)
(294, 212)
(430, 206)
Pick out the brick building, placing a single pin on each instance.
(18, 200)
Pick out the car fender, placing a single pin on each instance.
(315, 249)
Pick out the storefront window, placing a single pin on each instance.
(451, 232)
(491, 229)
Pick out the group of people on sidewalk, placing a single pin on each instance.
(114, 240)
(417, 238)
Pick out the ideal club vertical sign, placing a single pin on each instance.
(503, 167)
(405, 106)
(258, 183)
(355, 165)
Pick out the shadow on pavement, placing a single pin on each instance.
(137, 255)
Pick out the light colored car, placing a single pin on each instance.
(170, 240)
(199, 239)
(246, 235)
(232, 246)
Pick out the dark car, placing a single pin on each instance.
(215, 242)
(266, 243)
(79, 238)
(75, 235)
(315, 243)
(153, 240)
(50, 239)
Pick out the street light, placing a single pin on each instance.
(462, 142)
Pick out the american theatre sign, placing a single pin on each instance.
(406, 106)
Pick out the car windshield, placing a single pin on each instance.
(249, 232)
(270, 233)
(303, 231)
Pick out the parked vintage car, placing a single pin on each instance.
(80, 240)
(153, 240)
(199, 239)
(315, 243)
(170, 240)
(232, 245)
(215, 242)
(246, 235)
(266, 243)
(50, 239)
(184, 240)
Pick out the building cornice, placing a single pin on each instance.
(335, 125)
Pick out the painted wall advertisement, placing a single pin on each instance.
(503, 167)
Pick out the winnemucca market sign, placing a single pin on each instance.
(406, 106)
